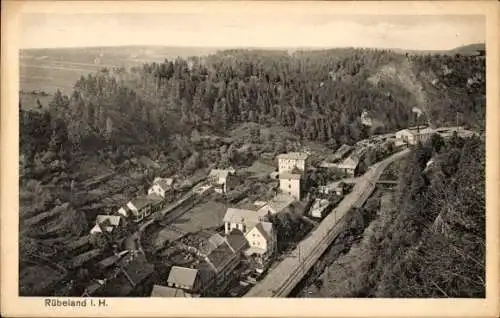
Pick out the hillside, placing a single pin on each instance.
(427, 239)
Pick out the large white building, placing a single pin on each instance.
(292, 167)
(411, 136)
(291, 160)
(291, 184)
(242, 219)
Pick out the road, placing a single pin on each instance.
(289, 272)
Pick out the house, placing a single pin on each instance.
(291, 184)
(214, 271)
(132, 278)
(224, 260)
(277, 204)
(106, 223)
(349, 166)
(242, 219)
(156, 202)
(319, 208)
(223, 180)
(411, 136)
(214, 241)
(184, 278)
(165, 291)
(289, 161)
(139, 208)
(262, 241)
(161, 186)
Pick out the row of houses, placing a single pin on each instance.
(211, 273)
(248, 234)
(137, 209)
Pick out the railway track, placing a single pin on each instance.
(286, 275)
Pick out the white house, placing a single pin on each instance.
(242, 219)
(106, 223)
(278, 204)
(223, 180)
(262, 241)
(124, 211)
(289, 161)
(412, 136)
(161, 186)
(139, 208)
(349, 165)
(291, 184)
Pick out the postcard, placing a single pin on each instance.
(257, 159)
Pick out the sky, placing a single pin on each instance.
(240, 28)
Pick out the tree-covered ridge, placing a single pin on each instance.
(435, 246)
(320, 95)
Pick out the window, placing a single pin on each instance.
(289, 186)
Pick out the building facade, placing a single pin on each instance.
(291, 184)
(242, 219)
(289, 161)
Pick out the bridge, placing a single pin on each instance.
(387, 182)
(280, 281)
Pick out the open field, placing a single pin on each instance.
(202, 216)
(52, 69)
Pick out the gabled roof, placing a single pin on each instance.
(293, 156)
(220, 257)
(236, 240)
(154, 198)
(182, 276)
(138, 269)
(140, 202)
(242, 215)
(350, 162)
(165, 291)
(211, 244)
(266, 229)
(113, 220)
(279, 203)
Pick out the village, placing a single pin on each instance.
(211, 241)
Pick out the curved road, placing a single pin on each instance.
(288, 273)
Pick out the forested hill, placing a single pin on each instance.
(435, 245)
(318, 94)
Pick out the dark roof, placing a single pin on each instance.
(236, 239)
(138, 269)
(220, 257)
(266, 229)
(211, 243)
(108, 261)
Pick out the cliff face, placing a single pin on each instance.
(432, 223)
